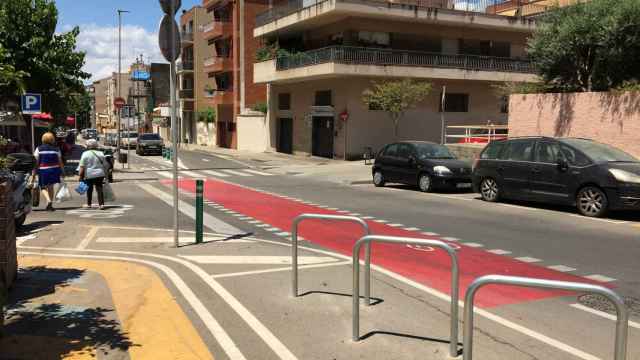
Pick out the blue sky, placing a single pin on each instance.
(98, 23)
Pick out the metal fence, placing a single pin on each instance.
(621, 323)
(455, 279)
(384, 57)
(509, 8)
(294, 248)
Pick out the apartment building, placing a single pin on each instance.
(330, 51)
(100, 113)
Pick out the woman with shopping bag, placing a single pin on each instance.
(49, 167)
(93, 169)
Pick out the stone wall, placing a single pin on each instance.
(8, 255)
(612, 118)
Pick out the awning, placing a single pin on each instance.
(11, 118)
(43, 116)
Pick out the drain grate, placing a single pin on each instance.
(599, 302)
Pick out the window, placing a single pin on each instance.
(574, 157)
(391, 150)
(598, 151)
(504, 104)
(284, 101)
(373, 38)
(547, 152)
(518, 150)
(323, 98)
(404, 151)
(455, 103)
(493, 150)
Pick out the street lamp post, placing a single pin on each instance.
(119, 77)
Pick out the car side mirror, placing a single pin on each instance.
(563, 165)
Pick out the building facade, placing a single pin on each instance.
(331, 51)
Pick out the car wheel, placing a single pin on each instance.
(424, 183)
(489, 190)
(378, 179)
(592, 202)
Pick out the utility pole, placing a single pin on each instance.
(118, 77)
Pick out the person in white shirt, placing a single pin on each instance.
(93, 169)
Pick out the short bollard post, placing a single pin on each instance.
(199, 210)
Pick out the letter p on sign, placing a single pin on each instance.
(31, 103)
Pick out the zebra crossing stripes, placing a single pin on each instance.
(220, 173)
(214, 173)
(257, 172)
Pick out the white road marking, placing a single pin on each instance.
(206, 160)
(380, 221)
(396, 225)
(332, 208)
(208, 320)
(617, 222)
(211, 222)
(428, 233)
(245, 218)
(451, 197)
(233, 172)
(168, 240)
(499, 252)
(528, 259)
(273, 229)
(323, 206)
(22, 239)
(561, 268)
(603, 314)
(283, 234)
(368, 217)
(254, 222)
(266, 271)
(87, 239)
(450, 238)
(258, 172)
(519, 207)
(412, 229)
(263, 225)
(167, 174)
(193, 175)
(355, 214)
(238, 215)
(473, 245)
(600, 278)
(214, 173)
(257, 260)
(343, 211)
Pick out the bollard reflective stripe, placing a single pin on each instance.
(294, 248)
(622, 322)
(455, 279)
(199, 210)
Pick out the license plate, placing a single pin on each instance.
(463, 185)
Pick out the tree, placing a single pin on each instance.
(593, 46)
(396, 97)
(10, 79)
(48, 61)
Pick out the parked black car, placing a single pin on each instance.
(149, 143)
(592, 176)
(425, 164)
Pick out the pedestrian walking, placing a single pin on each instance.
(49, 167)
(93, 169)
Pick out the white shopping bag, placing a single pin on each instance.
(109, 195)
(63, 193)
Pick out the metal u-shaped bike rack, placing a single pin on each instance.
(294, 247)
(453, 338)
(621, 324)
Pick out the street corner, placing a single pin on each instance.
(75, 308)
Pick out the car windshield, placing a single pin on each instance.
(433, 151)
(149, 137)
(133, 135)
(600, 152)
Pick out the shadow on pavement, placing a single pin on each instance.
(230, 237)
(375, 301)
(36, 225)
(407, 336)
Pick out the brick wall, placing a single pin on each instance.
(612, 118)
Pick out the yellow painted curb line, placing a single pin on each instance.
(150, 316)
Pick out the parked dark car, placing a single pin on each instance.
(149, 144)
(425, 164)
(592, 176)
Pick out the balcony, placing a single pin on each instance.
(185, 66)
(186, 94)
(307, 14)
(356, 61)
(140, 92)
(217, 28)
(186, 37)
(217, 64)
(220, 96)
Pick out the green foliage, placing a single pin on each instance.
(508, 88)
(48, 61)
(396, 97)
(261, 107)
(272, 51)
(4, 163)
(594, 46)
(632, 85)
(208, 115)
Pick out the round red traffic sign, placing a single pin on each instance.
(119, 102)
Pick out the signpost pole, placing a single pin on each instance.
(33, 136)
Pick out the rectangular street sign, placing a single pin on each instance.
(31, 104)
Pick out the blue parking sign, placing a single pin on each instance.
(31, 103)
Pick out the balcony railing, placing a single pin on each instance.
(217, 92)
(186, 36)
(140, 92)
(371, 56)
(186, 94)
(491, 7)
(185, 66)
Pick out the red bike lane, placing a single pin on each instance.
(430, 268)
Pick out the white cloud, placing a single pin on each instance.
(101, 46)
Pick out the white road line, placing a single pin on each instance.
(451, 197)
(600, 278)
(208, 320)
(238, 215)
(396, 225)
(412, 229)
(380, 221)
(332, 208)
(257, 260)
(279, 348)
(428, 233)
(283, 234)
(258, 172)
(355, 214)
(323, 206)
(519, 207)
(473, 245)
(214, 173)
(343, 211)
(273, 229)
(168, 240)
(191, 174)
(87, 239)
(245, 218)
(254, 222)
(211, 222)
(450, 238)
(499, 252)
(256, 272)
(206, 160)
(603, 314)
(263, 225)
(367, 217)
(238, 173)
(561, 268)
(528, 259)
(617, 222)
(165, 174)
